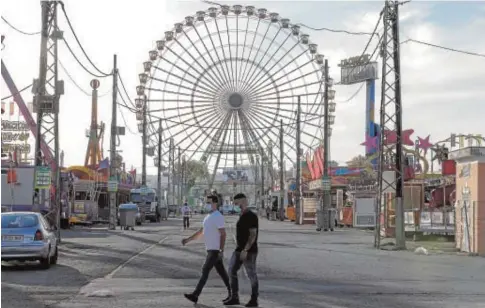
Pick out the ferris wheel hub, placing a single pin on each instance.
(235, 100)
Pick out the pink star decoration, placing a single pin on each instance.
(370, 142)
(424, 144)
(391, 137)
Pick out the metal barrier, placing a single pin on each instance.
(437, 221)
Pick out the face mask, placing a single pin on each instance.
(208, 206)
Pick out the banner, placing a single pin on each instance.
(43, 178)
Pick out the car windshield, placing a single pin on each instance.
(19, 221)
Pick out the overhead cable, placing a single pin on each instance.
(470, 53)
(79, 43)
(17, 29)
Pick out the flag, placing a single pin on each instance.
(12, 108)
(104, 164)
(133, 174)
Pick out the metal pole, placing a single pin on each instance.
(262, 181)
(144, 144)
(112, 147)
(57, 94)
(400, 231)
(282, 171)
(179, 182)
(298, 167)
(172, 155)
(159, 165)
(326, 151)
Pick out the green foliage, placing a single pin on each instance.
(193, 170)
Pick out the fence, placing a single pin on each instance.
(437, 221)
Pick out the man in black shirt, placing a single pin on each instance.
(245, 253)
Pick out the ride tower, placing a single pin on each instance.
(362, 69)
(94, 151)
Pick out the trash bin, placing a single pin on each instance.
(326, 219)
(128, 213)
(163, 213)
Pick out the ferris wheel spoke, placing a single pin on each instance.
(263, 113)
(223, 51)
(220, 81)
(179, 93)
(268, 108)
(179, 115)
(244, 78)
(289, 81)
(207, 77)
(224, 73)
(246, 138)
(212, 120)
(254, 81)
(263, 68)
(221, 131)
(219, 153)
(261, 98)
(237, 50)
(179, 85)
(234, 86)
(243, 52)
(250, 122)
(196, 128)
(270, 124)
(209, 89)
(263, 84)
(250, 51)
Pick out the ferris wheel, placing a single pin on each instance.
(224, 81)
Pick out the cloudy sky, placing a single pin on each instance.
(443, 91)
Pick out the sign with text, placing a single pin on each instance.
(43, 177)
(15, 135)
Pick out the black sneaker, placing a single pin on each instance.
(191, 297)
(227, 298)
(252, 303)
(232, 301)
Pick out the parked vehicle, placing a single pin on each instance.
(147, 203)
(236, 210)
(27, 236)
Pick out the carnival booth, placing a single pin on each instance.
(470, 204)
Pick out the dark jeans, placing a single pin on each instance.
(186, 222)
(214, 259)
(250, 266)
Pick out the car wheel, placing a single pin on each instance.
(45, 263)
(53, 259)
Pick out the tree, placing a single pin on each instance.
(359, 161)
(367, 175)
(333, 164)
(193, 169)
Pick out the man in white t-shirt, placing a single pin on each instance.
(186, 215)
(215, 238)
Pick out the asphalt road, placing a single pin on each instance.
(297, 267)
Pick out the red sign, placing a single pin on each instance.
(315, 163)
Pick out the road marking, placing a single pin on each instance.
(116, 270)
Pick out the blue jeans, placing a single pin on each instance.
(250, 266)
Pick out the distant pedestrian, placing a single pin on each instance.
(215, 238)
(186, 215)
(246, 252)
